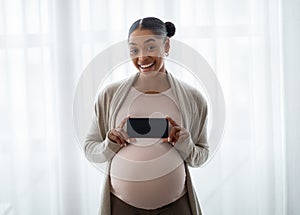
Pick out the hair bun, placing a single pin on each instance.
(170, 29)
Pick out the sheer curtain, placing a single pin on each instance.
(45, 45)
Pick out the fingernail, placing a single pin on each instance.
(132, 140)
(169, 139)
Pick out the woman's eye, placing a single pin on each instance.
(151, 48)
(133, 51)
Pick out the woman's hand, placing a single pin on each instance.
(119, 135)
(177, 133)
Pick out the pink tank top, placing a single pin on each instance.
(148, 173)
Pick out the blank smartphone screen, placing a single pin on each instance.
(147, 127)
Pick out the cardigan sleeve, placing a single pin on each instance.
(98, 147)
(194, 149)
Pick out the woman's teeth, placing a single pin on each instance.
(146, 65)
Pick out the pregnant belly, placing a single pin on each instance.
(148, 177)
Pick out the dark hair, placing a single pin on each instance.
(155, 25)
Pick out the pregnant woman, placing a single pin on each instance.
(149, 175)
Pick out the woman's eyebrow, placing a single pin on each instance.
(131, 43)
(149, 40)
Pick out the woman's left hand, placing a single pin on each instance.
(177, 133)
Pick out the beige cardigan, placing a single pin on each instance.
(194, 150)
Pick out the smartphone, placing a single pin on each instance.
(147, 128)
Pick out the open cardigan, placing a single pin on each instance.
(99, 148)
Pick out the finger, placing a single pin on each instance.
(122, 133)
(172, 122)
(177, 134)
(165, 140)
(116, 137)
(121, 138)
(174, 130)
(112, 135)
(121, 142)
(168, 140)
(173, 134)
(123, 122)
(131, 140)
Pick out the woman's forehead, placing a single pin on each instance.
(140, 40)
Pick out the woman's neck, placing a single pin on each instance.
(152, 82)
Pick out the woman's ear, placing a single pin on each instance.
(167, 45)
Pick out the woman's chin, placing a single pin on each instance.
(148, 72)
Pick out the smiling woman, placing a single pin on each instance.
(149, 175)
(147, 52)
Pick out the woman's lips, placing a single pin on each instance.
(147, 67)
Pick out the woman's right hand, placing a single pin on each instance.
(119, 135)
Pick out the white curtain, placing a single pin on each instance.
(46, 44)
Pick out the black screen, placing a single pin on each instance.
(147, 127)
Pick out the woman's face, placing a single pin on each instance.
(147, 50)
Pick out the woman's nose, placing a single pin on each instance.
(142, 58)
(143, 53)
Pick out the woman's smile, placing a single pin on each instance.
(147, 67)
